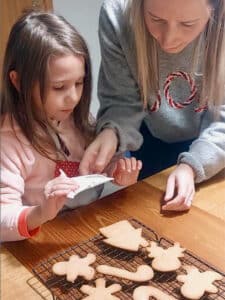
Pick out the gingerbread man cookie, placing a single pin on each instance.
(165, 260)
(144, 292)
(75, 267)
(196, 283)
(123, 235)
(100, 291)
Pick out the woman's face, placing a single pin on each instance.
(176, 23)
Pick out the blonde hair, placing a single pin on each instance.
(212, 40)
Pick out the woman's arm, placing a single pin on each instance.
(205, 158)
(121, 109)
(207, 153)
(120, 104)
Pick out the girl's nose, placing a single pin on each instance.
(73, 94)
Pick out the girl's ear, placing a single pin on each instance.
(14, 77)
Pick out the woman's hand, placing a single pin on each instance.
(99, 153)
(127, 171)
(180, 189)
(55, 192)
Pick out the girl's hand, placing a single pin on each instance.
(127, 171)
(180, 189)
(99, 153)
(56, 191)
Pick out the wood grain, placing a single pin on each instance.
(15, 278)
(209, 195)
(200, 230)
(196, 230)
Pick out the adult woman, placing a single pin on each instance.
(163, 69)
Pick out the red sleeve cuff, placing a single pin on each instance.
(22, 225)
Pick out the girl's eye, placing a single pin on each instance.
(79, 83)
(60, 87)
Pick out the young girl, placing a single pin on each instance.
(45, 125)
(162, 77)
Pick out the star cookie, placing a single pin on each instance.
(100, 291)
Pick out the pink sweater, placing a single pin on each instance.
(24, 173)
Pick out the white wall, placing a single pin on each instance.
(83, 14)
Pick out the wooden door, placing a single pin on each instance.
(9, 12)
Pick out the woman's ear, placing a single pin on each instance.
(14, 77)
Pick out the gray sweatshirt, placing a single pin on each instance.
(121, 106)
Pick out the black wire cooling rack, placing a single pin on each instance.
(61, 289)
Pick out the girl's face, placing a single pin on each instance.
(64, 86)
(176, 23)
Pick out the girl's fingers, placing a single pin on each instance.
(74, 182)
(55, 189)
(63, 186)
(134, 163)
(58, 193)
(128, 164)
(122, 164)
(127, 171)
(62, 180)
(118, 178)
(139, 165)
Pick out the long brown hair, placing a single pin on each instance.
(34, 38)
(212, 53)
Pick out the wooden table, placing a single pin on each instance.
(201, 230)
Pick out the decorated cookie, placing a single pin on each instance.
(145, 292)
(123, 235)
(196, 283)
(143, 273)
(75, 267)
(100, 291)
(165, 260)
